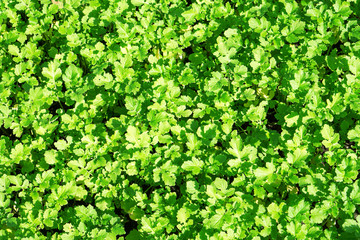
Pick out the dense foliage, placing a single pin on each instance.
(206, 119)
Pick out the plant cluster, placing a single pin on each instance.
(196, 119)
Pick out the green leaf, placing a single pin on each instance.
(216, 221)
(182, 215)
(17, 153)
(147, 225)
(72, 74)
(318, 215)
(133, 105)
(195, 166)
(291, 119)
(221, 184)
(169, 178)
(192, 142)
(300, 208)
(137, 2)
(189, 15)
(50, 157)
(86, 213)
(236, 147)
(297, 27)
(262, 172)
(61, 144)
(352, 226)
(298, 157)
(354, 134)
(327, 132)
(105, 80)
(355, 193)
(274, 210)
(132, 134)
(354, 65)
(53, 70)
(14, 50)
(254, 23)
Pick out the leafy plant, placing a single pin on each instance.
(147, 119)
